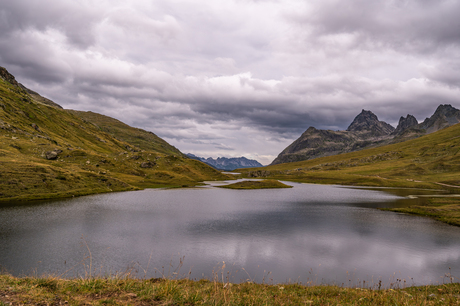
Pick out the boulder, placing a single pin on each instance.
(52, 155)
(147, 164)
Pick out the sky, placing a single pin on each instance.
(236, 77)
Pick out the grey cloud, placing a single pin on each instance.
(74, 19)
(206, 76)
(224, 147)
(417, 26)
(447, 73)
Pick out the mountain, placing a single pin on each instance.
(368, 125)
(223, 163)
(404, 124)
(48, 152)
(444, 116)
(365, 131)
(429, 161)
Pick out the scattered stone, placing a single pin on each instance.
(147, 164)
(36, 127)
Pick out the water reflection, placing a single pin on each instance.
(308, 233)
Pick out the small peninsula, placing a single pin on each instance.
(263, 184)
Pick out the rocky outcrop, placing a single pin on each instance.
(147, 164)
(229, 164)
(368, 123)
(404, 124)
(444, 116)
(5, 75)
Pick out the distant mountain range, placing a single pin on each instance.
(364, 132)
(223, 163)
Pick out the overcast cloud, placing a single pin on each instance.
(236, 77)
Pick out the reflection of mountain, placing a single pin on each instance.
(223, 163)
(365, 131)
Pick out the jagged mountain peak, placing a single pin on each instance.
(444, 109)
(404, 124)
(368, 122)
(445, 115)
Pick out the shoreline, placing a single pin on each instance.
(446, 211)
(125, 290)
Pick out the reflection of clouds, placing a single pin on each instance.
(281, 231)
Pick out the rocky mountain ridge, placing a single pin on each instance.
(365, 131)
(229, 164)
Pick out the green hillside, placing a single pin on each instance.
(431, 161)
(139, 138)
(48, 152)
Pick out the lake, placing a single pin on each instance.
(310, 234)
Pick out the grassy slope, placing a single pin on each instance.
(128, 291)
(134, 136)
(95, 158)
(264, 184)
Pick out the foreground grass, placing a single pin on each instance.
(446, 210)
(264, 184)
(129, 291)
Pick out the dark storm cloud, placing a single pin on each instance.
(236, 77)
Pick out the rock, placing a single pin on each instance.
(5, 75)
(51, 155)
(36, 127)
(147, 164)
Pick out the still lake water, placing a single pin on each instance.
(319, 233)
